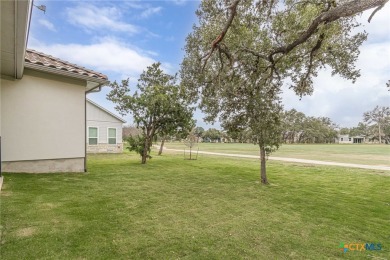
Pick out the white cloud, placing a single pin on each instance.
(91, 17)
(379, 27)
(150, 11)
(340, 99)
(47, 24)
(107, 56)
(144, 10)
(134, 4)
(178, 2)
(374, 61)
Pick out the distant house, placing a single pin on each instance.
(104, 130)
(42, 101)
(346, 139)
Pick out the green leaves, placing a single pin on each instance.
(137, 144)
(156, 106)
(275, 40)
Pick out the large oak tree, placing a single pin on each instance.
(242, 52)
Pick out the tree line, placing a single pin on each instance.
(296, 128)
(375, 126)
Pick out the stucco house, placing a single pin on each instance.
(42, 101)
(346, 139)
(104, 130)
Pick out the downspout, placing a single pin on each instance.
(85, 132)
(0, 158)
(99, 87)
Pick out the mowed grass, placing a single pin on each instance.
(370, 154)
(212, 208)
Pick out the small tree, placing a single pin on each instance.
(380, 117)
(156, 106)
(137, 144)
(172, 129)
(191, 141)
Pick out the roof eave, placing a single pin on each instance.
(101, 82)
(23, 10)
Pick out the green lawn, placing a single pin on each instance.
(370, 154)
(211, 208)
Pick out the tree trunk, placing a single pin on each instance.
(379, 130)
(145, 151)
(263, 172)
(161, 146)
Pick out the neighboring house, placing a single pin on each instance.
(346, 139)
(42, 101)
(104, 130)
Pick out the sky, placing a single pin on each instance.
(121, 38)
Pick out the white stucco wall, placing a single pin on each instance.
(43, 117)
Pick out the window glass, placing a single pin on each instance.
(111, 135)
(92, 135)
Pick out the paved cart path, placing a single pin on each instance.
(285, 159)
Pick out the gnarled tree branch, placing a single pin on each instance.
(233, 11)
(374, 12)
(347, 9)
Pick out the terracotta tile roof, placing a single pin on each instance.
(44, 60)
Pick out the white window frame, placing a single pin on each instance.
(108, 135)
(97, 137)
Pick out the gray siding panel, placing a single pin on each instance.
(97, 117)
(103, 130)
(96, 114)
